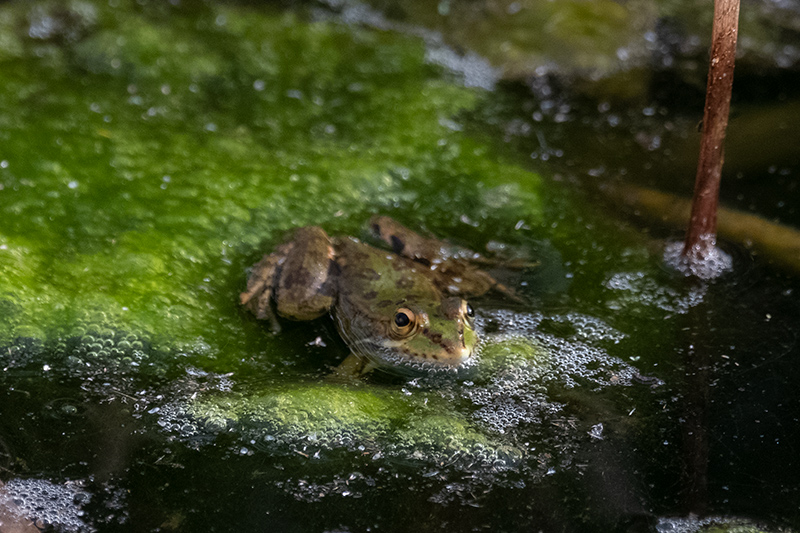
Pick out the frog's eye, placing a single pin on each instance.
(404, 322)
(467, 309)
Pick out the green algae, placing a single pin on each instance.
(434, 422)
(149, 154)
(323, 412)
(512, 352)
(329, 416)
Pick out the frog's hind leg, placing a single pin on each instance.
(261, 286)
(405, 242)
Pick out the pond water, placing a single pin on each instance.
(151, 152)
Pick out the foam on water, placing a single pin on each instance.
(636, 289)
(46, 503)
(588, 328)
(705, 261)
(574, 359)
(91, 348)
(492, 424)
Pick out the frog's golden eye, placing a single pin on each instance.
(467, 309)
(404, 322)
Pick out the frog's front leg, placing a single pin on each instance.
(352, 368)
(297, 277)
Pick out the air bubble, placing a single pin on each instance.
(45, 502)
(713, 264)
(633, 289)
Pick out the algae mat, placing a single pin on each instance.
(150, 154)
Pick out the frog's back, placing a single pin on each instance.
(375, 276)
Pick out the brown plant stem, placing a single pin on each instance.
(701, 236)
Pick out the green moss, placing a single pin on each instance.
(149, 154)
(420, 427)
(326, 411)
(512, 351)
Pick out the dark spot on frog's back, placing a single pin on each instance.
(371, 295)
(397, 244)
(384, 303)
(298, 277)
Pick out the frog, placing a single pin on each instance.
(402, 307)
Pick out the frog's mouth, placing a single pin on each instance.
(451, 354)
(383, 351)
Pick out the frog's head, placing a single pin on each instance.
(441, 334)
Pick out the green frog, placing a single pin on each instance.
(402, 308)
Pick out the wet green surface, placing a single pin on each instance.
(150, 153)
(146, 164)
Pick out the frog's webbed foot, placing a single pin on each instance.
(496, 286)
(261, 286)
(508, 292)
